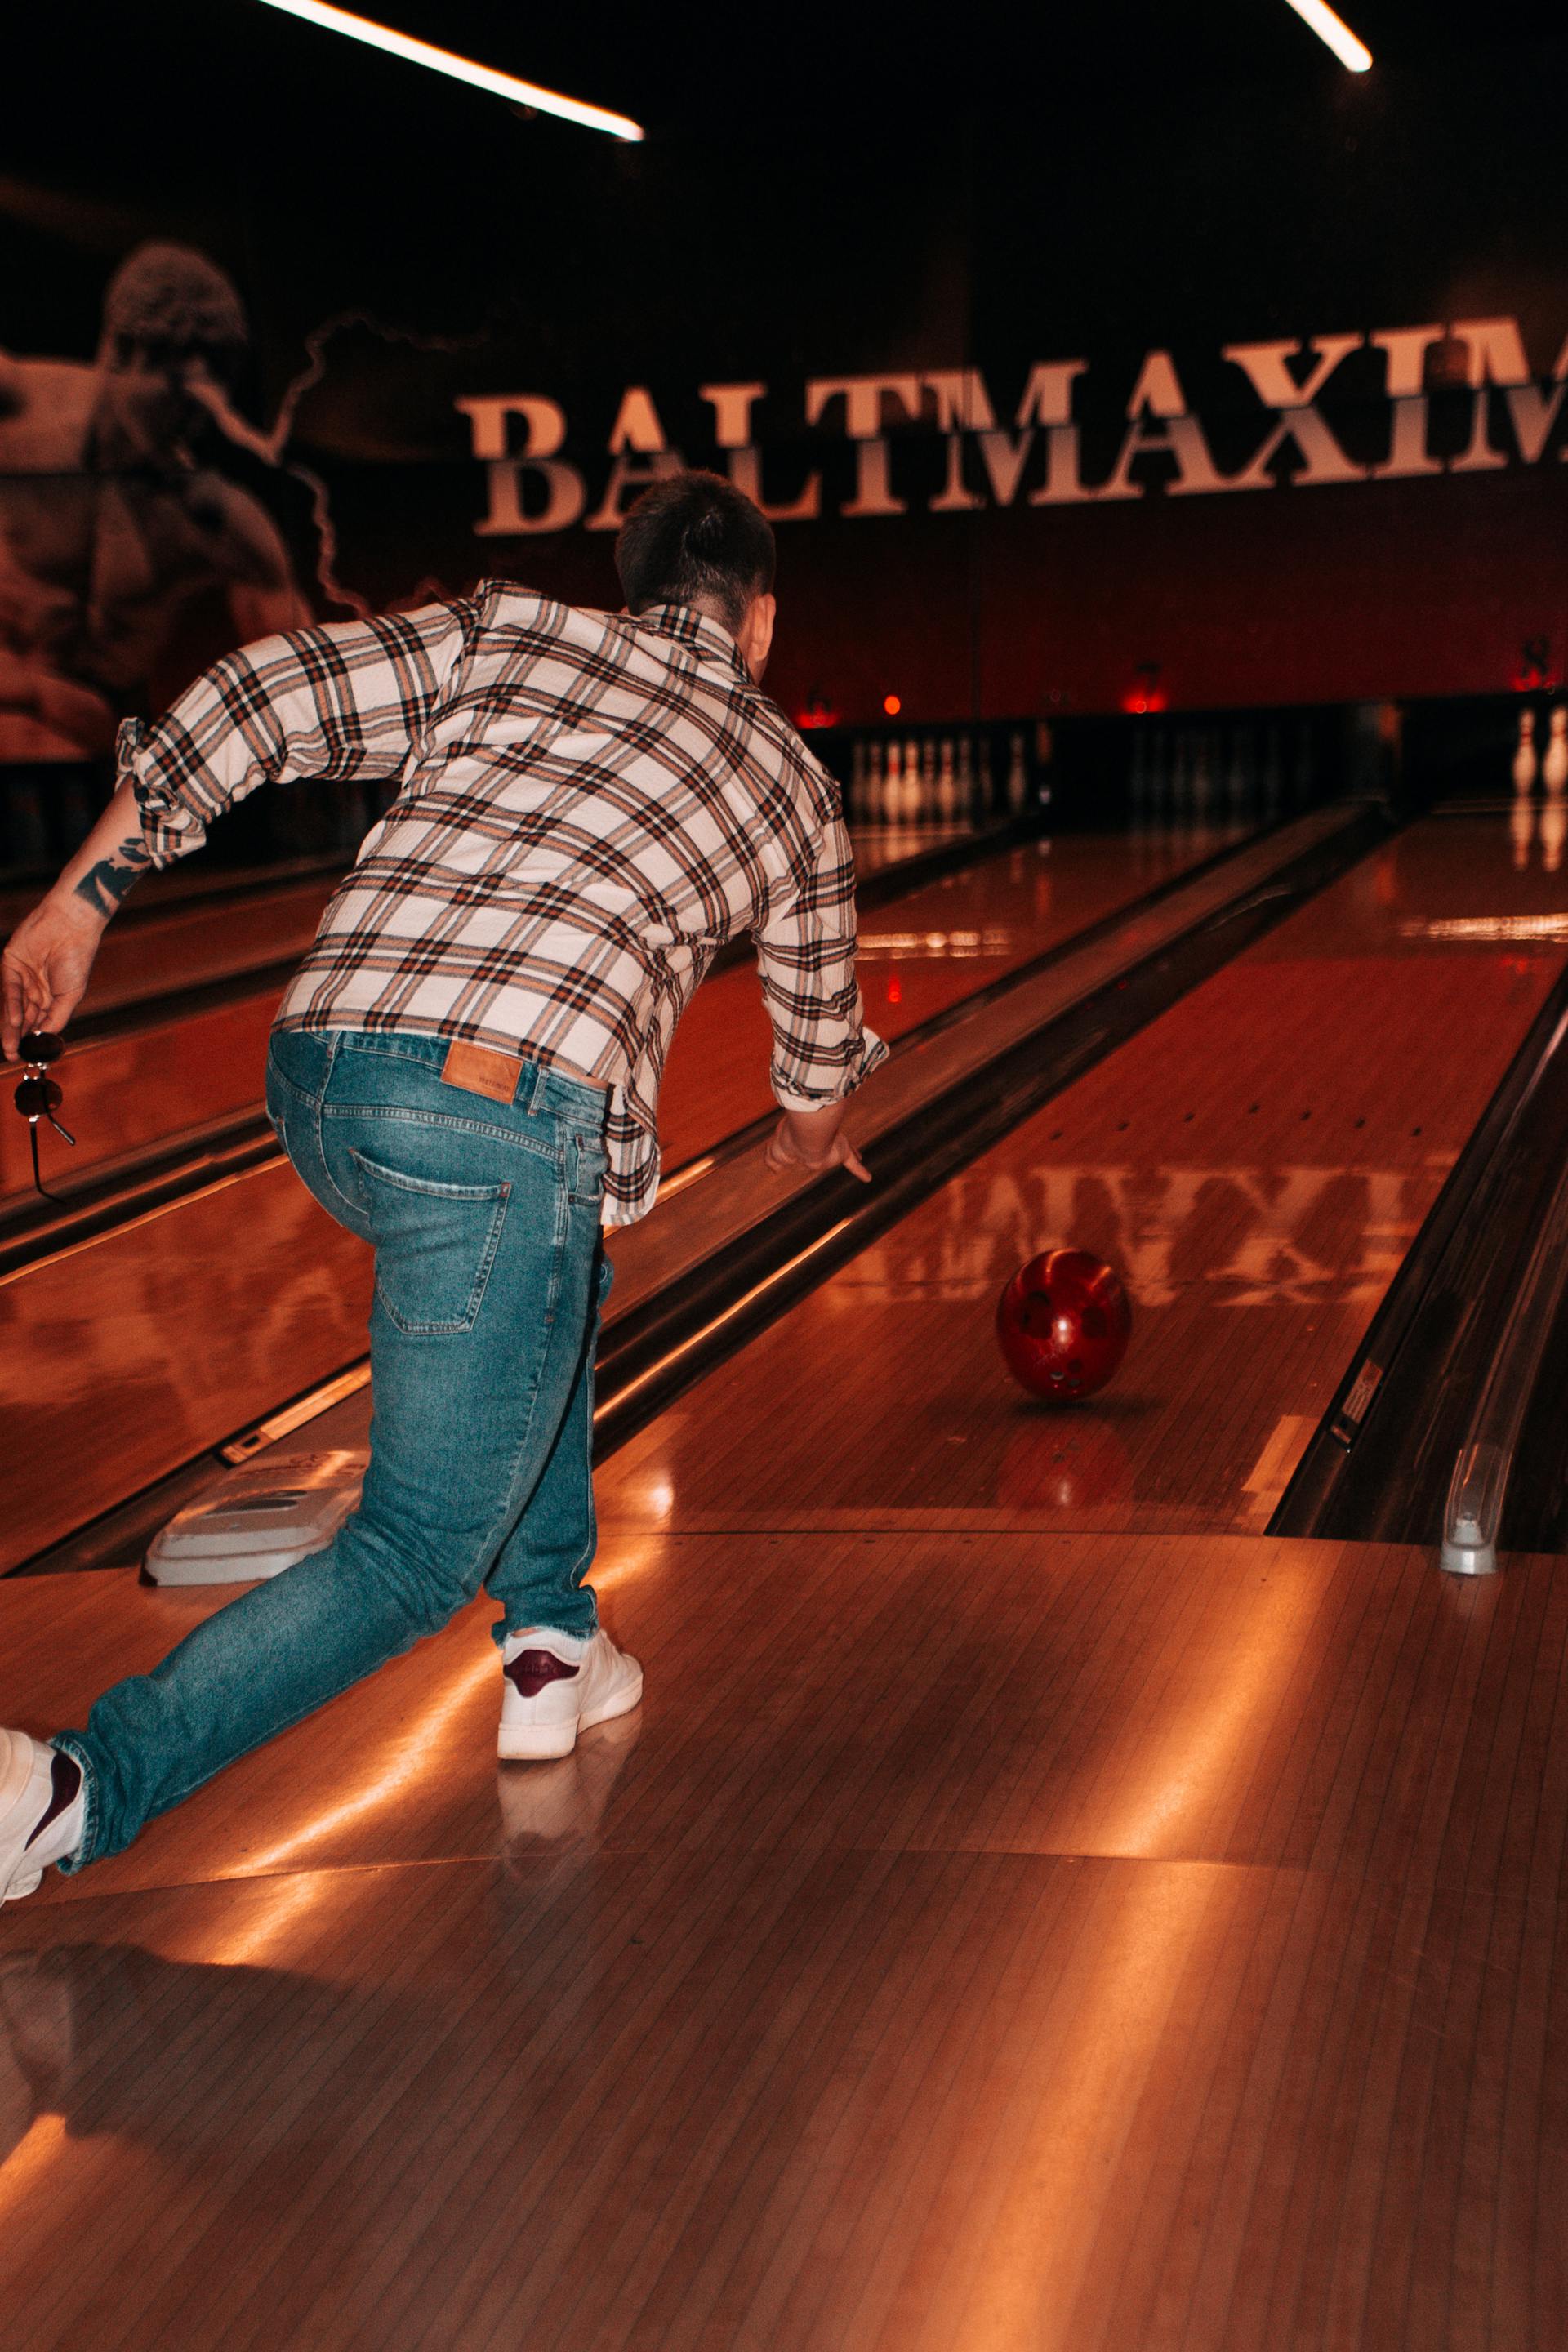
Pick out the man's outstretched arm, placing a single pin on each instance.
(50, 956)
(822, 1049)
(351, 699)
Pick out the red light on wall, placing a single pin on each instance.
(1145, 693)
(891, 705)
(895, 992)
(1535, 668)
(819, 712)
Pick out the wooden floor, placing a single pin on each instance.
(979, 1941)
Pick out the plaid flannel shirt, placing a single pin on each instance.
(588, 807)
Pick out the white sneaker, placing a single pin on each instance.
(557, 1684)
(26, 1794)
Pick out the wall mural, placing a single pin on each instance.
(148, 521)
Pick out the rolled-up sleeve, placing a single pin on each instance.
(349, 700)
(806, 954)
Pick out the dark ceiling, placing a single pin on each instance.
(682, 68)
(1137, 151)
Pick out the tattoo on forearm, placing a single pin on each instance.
(105, 885)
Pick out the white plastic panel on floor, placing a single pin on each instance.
(260, 1519)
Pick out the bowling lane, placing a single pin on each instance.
(920, 954)
(1256, 1163)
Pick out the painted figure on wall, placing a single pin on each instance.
(116, 522)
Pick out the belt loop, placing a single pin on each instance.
(528, 1088)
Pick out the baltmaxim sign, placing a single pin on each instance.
(1404, 402)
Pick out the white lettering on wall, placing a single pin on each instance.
(520, 438)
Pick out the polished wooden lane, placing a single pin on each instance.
(143, 1349)
(919, 955)
(1255, 1163)
(988, 1942)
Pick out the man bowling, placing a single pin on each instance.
(466, 1072)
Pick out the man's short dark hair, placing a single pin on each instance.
(695, 538)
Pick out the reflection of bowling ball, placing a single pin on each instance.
(1063, 1324)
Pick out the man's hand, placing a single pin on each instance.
(48, 960)
(48, 957)
(813, 1139)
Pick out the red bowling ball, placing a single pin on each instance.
(1063, 1324)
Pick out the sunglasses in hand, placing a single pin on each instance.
(38, 1095)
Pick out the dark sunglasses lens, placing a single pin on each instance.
(41, 1045)
(37, 1097)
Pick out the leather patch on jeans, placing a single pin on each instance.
(480, 1070)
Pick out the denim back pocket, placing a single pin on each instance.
(435, 1245)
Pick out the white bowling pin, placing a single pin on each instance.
(875, 784)
(967, 777)
(1553, 832)
(946, 784)
(1017, 778)
(911, 780)
(893, 789)
(1554, 766)
(1525, 761)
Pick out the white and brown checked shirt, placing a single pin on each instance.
(589, 805)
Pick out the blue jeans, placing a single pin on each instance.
(484, 1217)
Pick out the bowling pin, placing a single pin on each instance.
(1017, 778)
(985, 792)
(876, 785)
(966, 778)
(928, 778)
(946, 784)
(1553, 832)
(1521, 830)
(1554, 766)
(1525, 761)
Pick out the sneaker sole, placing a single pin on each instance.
(522, 1743)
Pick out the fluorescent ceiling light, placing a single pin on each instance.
(442, 61)
(1335, 31)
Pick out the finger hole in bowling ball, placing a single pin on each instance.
(1038, 1315)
